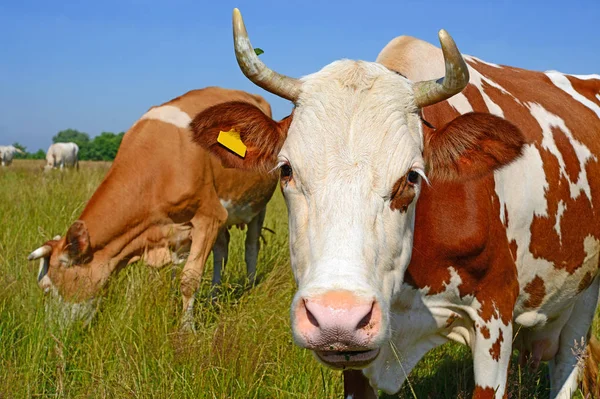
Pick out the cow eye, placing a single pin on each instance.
(285, 171)
(413, 177)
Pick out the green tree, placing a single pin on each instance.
(104, 147)
(40, 154)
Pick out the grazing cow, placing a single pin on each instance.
(60, 155)
(7, 153)
(503, 244)
(161, 190)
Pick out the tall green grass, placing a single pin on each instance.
(243, 346)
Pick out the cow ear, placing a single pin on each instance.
(78, 241)
(261, 136)
(471, 146)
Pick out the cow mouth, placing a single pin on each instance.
(347, 359)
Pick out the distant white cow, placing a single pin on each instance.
(7, 153)
(60, 155)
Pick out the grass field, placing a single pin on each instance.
(243, 346)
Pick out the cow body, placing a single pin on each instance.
(426, 209)
(161, 191)
(61, 155)
(7, 153)
(530, 231)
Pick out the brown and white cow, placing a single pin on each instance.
(161, 190)
(503, 243)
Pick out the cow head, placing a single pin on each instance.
(67, 275)
(352, 162)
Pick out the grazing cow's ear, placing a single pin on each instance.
(261, 135)
(470, 146)
(78, 241)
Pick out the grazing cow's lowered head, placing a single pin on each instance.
(65, 273)
(352, 162)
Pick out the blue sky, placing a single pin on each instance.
(99, 65)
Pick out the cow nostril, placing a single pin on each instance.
(365, 320)
(310, 316)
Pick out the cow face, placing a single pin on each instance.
(352, 163)
(350, 209)
(67, 276)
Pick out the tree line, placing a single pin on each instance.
(103, 147)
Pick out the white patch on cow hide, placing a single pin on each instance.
(460, 103)
(547, 121)
(238, 213)
(559, 212)
(565, 85)
(169, 114)
(522, 201)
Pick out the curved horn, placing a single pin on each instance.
(255, 69)
(434, 91)
(41, 252)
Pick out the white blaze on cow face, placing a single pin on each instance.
(354, 134)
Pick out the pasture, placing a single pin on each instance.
(243, 346)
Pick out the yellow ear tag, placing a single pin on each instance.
(232, 141)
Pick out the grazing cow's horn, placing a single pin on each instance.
(41, 252)
(457, 76)
(255, 69)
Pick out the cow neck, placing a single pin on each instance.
(116, 213)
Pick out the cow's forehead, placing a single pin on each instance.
(355, 115)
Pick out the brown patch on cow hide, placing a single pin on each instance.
(585, 282)
(485, 332)
(483, 393)
(505, 216)
(537, 291)
(585, 88)
(454, 230)
(495, 349)
(403, 194)
(561, 140)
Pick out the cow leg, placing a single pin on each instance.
(253, 244)
(492, 348)
(204, 233)
(221, 255)
(566, 368)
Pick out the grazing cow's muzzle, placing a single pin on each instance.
(341, 328)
